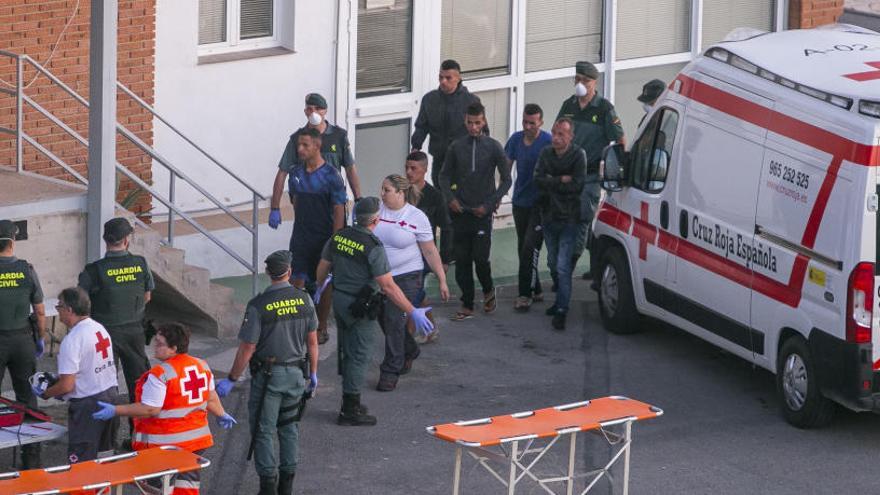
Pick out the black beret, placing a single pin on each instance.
(317, 100)
(278, 262)
(116, 229)
(8, 230)
(587, 69)
(651, 90)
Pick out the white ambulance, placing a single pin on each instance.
(746, 213)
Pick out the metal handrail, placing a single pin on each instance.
(152, 110)
(169, 202)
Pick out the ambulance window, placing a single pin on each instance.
(652, 153)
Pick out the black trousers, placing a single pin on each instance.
(129, 344)
(529, 238)
(18, 354)
(86, 436)
(471, 246)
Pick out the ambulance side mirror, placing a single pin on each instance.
(612, 168)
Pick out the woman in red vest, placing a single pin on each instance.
(172, 403)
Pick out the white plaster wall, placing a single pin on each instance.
(242, 111)
(56, 246)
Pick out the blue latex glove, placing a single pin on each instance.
(421, 321)
(41, 348)
(226, 421)
(106, 411)
(313, 383)
(38, 392)
(320, 290)
(274, 218)
(224, 386)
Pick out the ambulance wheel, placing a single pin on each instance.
(616, 301)
(803, 404)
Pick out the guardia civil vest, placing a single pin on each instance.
(118, 293)
(350, 249)
(183, 420)
(279, 311)
(16, 286)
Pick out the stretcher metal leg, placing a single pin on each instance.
(626, 446)
(456, 476)
(571, 460)
(511, 479)
(166, 484)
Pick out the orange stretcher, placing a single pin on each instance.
(498, 438)
(102, 475)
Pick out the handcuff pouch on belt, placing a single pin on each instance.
(367, 304)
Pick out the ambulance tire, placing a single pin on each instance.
(803, 405)
(616, 300)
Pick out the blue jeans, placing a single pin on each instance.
(560, 239)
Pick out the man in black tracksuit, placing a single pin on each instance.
(441, 115)
(468, 185)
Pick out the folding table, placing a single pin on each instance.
(499, 437)
(116, 471)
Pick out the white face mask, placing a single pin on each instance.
(580, 90)
(647, 108)
(315, 119)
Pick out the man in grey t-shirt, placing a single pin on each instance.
(277, 336)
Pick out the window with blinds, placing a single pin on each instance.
(561, 32)
(212, 21)
(652, 27)
(256, 19)
(477, 35)
(497, 104)
(719, 18)
(384, 47)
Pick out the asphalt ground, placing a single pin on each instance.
(721, 433)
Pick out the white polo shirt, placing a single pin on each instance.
(87, 353)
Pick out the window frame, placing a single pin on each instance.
(233, 42)
(654, 125)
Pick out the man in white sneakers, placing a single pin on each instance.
(87, 374)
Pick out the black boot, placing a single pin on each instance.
(285, 483)
(268, 485)
(30, 456)
(352, 414)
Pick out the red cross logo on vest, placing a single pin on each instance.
(102, 345)
(194, 384)
(870, 75)
(644, 231)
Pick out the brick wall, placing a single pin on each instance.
(811, 13)
(36, 28)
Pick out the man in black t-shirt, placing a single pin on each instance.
(434, 207)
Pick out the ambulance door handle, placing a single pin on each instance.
(683, 224)
(664, 215)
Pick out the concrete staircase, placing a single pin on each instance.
(184, 293)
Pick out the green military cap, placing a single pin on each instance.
(278, 262)
(8, 230)
(651, 90)
(586, 69)
(316, 99)
(116, 229)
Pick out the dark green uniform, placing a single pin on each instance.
(116, 285)
(278, 322)
(595, 126)
(357, 257)
(19, 290)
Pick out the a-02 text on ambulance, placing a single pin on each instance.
(746, 213)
